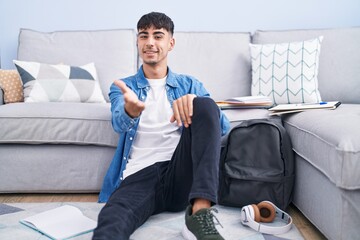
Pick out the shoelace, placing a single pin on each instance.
(207, 221)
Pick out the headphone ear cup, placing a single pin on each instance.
(257, 216)
(266, 211)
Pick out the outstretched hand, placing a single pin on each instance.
(183, 110)
(133, 106)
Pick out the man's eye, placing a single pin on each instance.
(158, 37)
(142, 36)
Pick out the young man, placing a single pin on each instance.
(169, 148)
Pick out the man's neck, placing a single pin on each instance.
(154, 71)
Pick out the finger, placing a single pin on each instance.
(190, 104)
(172, 119)
(120, 84)
(186, 110)
(128, 98)
(176, 114)
(182, 114)
(129, 95)
(140, 105)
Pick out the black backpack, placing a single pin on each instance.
(257, 164)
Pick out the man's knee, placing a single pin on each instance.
(203, 105)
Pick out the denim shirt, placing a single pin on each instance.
(176, 86)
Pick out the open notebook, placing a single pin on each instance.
(60, 223)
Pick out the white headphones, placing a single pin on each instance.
(266, 211)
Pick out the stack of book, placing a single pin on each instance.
(245, 102)
(299, 107)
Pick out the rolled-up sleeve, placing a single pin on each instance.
(120, 120)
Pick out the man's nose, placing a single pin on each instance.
(150, 42)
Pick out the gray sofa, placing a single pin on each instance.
(67, 147)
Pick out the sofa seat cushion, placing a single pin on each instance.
(57, 123)
(330, 141)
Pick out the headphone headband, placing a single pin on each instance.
(247, 218)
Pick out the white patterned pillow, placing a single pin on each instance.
(59, 83)
(286, 72)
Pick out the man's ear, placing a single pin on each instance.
(172, 44)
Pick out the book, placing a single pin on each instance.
(245, 102)
(299, 107)
(60, 223)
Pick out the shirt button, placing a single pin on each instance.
(124, 158)
(121, 178)
(131, 138)
(142, 97)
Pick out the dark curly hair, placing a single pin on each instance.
(157, 20)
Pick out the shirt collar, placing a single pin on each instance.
(143, 83)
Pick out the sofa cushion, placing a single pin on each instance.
(221, 61)
(339, 69)
(286, 72)
(59, 83)
(330, 141)
(112, 51)
(53, 168)
(57, 123)
(11, 85)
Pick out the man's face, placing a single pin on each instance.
(154, 45)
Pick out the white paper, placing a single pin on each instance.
(249, 99)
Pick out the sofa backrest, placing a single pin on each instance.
(339, 63)
(221, 61)
(113, 51)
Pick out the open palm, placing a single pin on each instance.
(133, 106)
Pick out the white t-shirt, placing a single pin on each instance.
(156, 137)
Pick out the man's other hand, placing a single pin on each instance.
(183, 110)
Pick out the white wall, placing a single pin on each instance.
(188, 15)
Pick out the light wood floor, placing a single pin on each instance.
(305, 227)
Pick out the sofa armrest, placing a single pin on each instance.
(1, 96)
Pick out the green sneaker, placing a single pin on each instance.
(201, 226)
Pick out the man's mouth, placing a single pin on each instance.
(150, 51)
